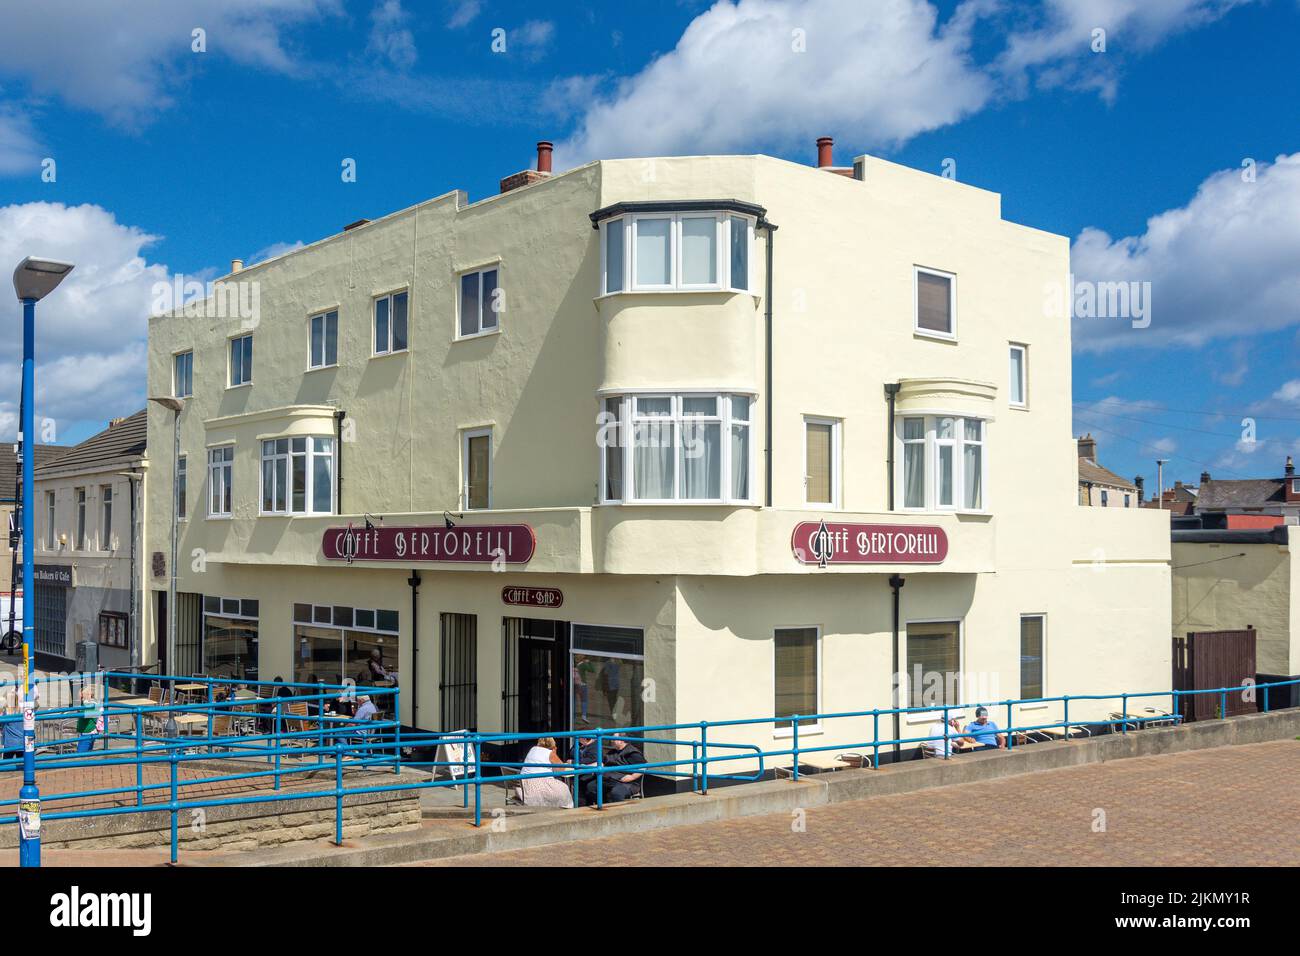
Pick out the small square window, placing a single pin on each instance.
(183, 374)
(935, 303)
(324, 339)
(481, 303)
(391, 321)
(241, 360)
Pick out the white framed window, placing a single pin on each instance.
(323, 339)
(1018, 370)
(81, 519)
(106, 518)
(390, 322)
(183, 374)
(481, 302)
(821, 462)
(1105, 498)
(298, 475)
(666, 447)
(797, 678)
(476, 469)
(935, 295)
(51, 536)
(667, 251)
(1033, 655)
(220, 472)
(944, 463)
(241, 360)
(1295, 486)
(180, 488)
(1128, 501)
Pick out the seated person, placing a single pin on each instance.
(618, 785)
(984, 732)
(942, 736)
(538, 787)
(379, 675)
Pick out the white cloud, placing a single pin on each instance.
(876, 73)
(465, 13)
(533, 38)
(1289, 392)
(91, 331)
(389, 35)
(1226, 264)
(123, 61)
(19, 150)
(273, 250)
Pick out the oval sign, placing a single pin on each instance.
(532, 597)
(824, 543)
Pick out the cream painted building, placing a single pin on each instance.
(1233, 579)
(664, 368)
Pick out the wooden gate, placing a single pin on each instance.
(1209, 659)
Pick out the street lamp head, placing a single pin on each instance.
(168, 402)
(36, 278)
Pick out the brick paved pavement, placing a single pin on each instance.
(1226, 806)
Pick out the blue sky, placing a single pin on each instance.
(168, 160)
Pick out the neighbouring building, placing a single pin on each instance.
(1230, 579)
(1100, 487)
(11, 567)
(653, 440)
(1179, 500)
(1241, 503)
(89, 548)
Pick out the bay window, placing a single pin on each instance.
(297, 475)
(943, 462)
(661, 252)
(684, 447)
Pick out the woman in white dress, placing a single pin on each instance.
(542, 791)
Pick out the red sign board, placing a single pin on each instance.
(823, 543)
(533, 597)
(464, 544)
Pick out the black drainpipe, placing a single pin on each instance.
(338, 461)
(414, 582)
(767, 356)
(891, 391)
(896, 582)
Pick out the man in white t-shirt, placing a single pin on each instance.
(941, 745)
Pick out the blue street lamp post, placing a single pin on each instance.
(33, 280)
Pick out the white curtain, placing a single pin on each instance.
(739, 462)
(701, 460)
(974, 476)
(652, 460)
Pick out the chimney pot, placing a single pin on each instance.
(825, 146)
(236, 265)
(1205, 476)
(544, 150)
(1290, 467)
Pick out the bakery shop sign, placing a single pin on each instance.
(823, 543)
(469, 544)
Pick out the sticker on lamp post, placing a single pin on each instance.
(825, 543)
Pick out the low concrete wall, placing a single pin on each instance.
(241, 827)
(780, 796)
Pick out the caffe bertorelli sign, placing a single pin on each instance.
(473, 544)
(823, 543)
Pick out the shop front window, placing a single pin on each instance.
(608, 676)
(230, 637)
(341, 645)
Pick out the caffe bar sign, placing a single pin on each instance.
(468, 544)
(824, 543)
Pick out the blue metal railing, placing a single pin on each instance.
(286, 735)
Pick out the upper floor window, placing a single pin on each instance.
(689, 447)
(943, 463)
(936, 303)
(51, 538)
(220, 472)
(1019, 375)
(106, 518)
(1105, 498)
(297, 475)
(324, 339)
(476, 458)
(481, 303)
(81, 519)
(822, 462)
(676, 251)
(390, 322)
(241, 360)
(180, 487)
(183, 374)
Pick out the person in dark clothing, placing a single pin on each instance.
(619, 784)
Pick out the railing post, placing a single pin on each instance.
(1123, 712)
(795, 725)
(947, 744)
(600, 769)
(139, 756)
(175, 833)
(464, 771)
(1065, 717)
(1011, 737)
(478, 789)
(279, 744)
(209, 682)
(704, 758)
(875, 737)
(397, 734)
(1223, 704)
(338, 793)
(1266, 698)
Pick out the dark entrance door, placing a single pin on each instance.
(536, 675)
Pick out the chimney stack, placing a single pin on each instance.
(530, 176)
(236, 265)
(1088, 447)
(1205, 476)
(825, 147)
(1140, 482)
(1290, 467)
